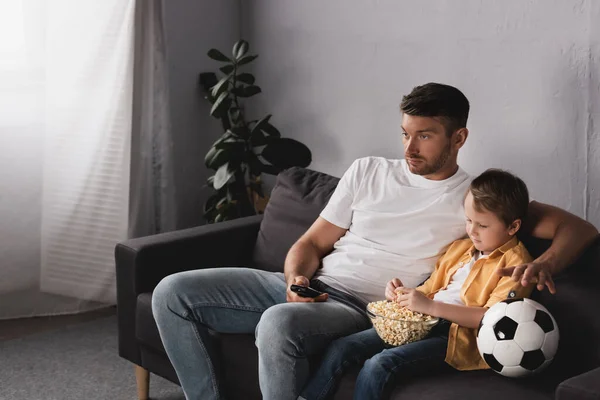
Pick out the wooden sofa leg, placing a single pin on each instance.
(142, 377)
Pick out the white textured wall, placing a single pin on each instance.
(333, 73)
(191, 29)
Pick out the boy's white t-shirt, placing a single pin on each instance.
(398, 225)
(451, 294)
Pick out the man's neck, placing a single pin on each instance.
(443, 173)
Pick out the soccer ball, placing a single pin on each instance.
(517, 337)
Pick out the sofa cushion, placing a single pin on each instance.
(462, 385)
(296, 201)
(146, 330)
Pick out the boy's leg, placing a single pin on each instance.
(383, 372)
(227, 300)
(342, 354)
(288, 334)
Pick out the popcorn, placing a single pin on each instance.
(398, 325)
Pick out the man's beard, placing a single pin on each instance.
(432, 167)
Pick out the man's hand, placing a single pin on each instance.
(533, 272)
(293, 297)
(390, 289)
(414, 300)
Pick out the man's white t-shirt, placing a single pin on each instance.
(451, 294)
(398, 225)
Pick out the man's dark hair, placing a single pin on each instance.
(502, 193)
(437, 100)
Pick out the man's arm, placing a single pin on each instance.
(305, 256)
(570, 236)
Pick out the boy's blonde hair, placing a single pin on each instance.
(502, 193)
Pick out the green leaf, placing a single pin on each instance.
(240, 131)
(223, 175)
(286, 153)
(215, 110)
(219, 217)
(270, 130)
(234, 144)
(245, 91)
(245, 60)
(220, 86)
(215, 157)
(227, 69)
(240, 48)
(261, 122)
(245, 77)
(207, 80)
(217, 55)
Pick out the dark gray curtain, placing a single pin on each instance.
(152, 195)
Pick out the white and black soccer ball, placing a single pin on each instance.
(517, 337)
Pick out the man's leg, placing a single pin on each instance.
(343, 354)
(288, 334)
(226, 300)
(383, 372)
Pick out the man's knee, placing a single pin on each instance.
(165, 294)
(280, 328)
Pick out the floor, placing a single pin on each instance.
(17, 328)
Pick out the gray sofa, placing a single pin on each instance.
(263, 241)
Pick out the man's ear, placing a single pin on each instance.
(514, 227)
(460, 137)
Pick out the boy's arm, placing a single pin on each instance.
(465, 316)
(468, 317)
(570, 236)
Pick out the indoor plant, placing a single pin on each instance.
(246, 149)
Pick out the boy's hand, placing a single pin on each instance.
(414, 300)
(390, 289)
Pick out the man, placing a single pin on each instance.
(386, 218)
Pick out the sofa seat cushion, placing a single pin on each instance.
(454, 385)
(296, 201)
(146, 330)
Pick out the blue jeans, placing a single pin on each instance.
(384, 366)
(187, 305)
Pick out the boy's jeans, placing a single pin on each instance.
(384, 366)
(234, 300)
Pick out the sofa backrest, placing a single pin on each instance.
(296, 201)
(300, 194)
(576, 308)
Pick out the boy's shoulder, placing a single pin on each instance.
(459, 247)
(518, 253)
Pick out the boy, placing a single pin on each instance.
(463, 286)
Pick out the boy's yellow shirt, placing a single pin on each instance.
(482, 288)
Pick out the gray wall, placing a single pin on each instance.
(191, 29)
(333, 74)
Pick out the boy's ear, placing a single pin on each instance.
(514, 227)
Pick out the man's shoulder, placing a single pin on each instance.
(373, 165)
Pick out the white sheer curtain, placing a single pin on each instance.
(66, 78)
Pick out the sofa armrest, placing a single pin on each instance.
(585, 386)
(142, 262)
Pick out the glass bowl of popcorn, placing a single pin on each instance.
(398, 325)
